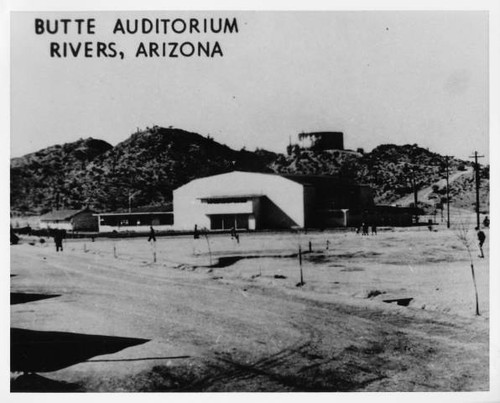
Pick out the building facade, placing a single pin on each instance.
(240, 200)
(70, 220)
(254, 201)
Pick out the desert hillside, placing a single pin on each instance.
(151, 163)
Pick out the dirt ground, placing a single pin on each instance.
(216, 315)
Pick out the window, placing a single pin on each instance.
(226, 222)
(242, 221)
(226, 200)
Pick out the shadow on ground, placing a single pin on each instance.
(22, 298)
(37, 351)
(36, 383)
(226, 261)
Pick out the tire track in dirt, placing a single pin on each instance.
(233, 370)
(385, 354)
(292, 368)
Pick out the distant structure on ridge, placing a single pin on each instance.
(321, 141)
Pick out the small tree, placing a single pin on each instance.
(462, 232)
(205, 234)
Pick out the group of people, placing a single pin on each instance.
(234, 234)
(364, 228)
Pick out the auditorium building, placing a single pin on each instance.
(256, 201)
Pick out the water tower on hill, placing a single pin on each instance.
(322, 140)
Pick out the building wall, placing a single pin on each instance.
(283, 205)
(257, 217)
(134, 228)
(66, 225)
(131, 222)
(328, 141)
(84, 221)
(366, 196)
(310, 219)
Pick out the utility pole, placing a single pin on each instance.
(476, 169)
(447, 192)
(415, 190)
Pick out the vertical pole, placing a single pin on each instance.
(114, 251)
(208, 245)
(300, 264)
(447, 193)
(476, 168)
(415, 191)
(477, 190)
(310, 246)
(475, 289)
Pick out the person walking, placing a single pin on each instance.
(152, 236)
(234, 235)
(58, 239)
(481, 237)
(486, 222)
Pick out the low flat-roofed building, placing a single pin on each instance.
(161, 218)
(70, 220)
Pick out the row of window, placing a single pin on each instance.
(124, 221)
(236, 221)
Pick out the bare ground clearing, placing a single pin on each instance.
(245, 326)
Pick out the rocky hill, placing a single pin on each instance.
(146, 167)
(47, 178)
(151, 163)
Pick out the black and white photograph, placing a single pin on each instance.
(251, 200)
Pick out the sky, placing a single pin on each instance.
(380, 77)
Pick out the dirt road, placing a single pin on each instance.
(247, 327)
